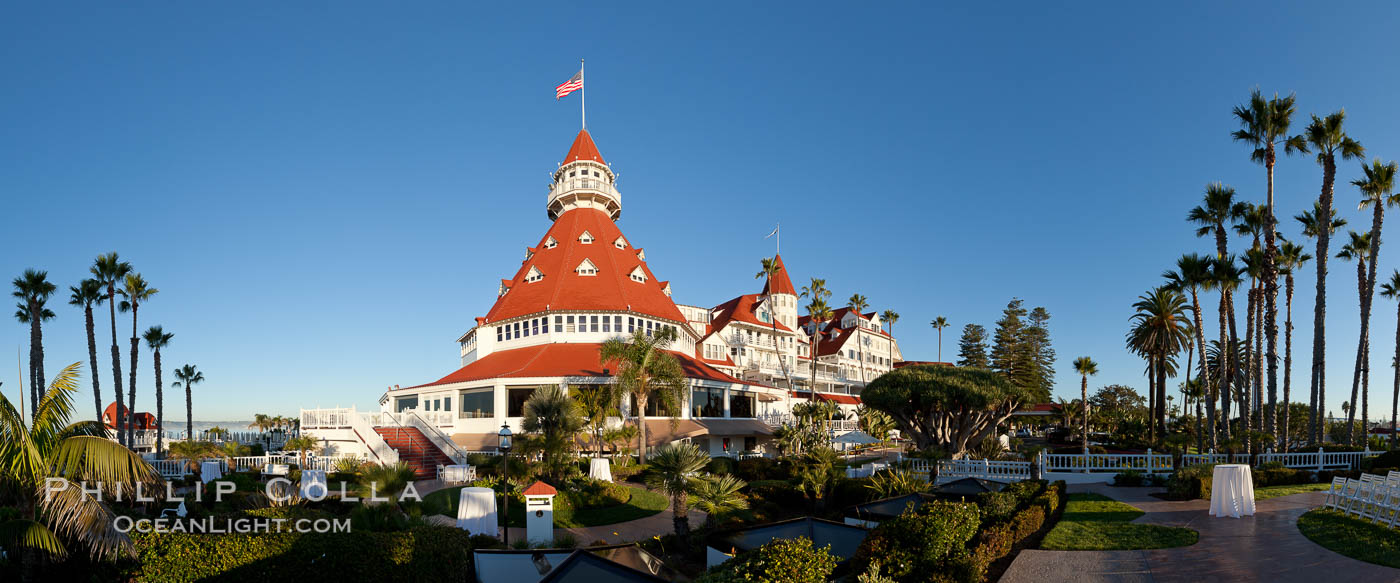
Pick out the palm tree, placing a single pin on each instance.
(673, 472)
(156, 339)
(595, 402)
(818, 313)
(769, 267)
(33, 290)
(135, 290)
(553, 419)
(647, 370)
(1086, 367)
(1159, 331)
(188, 377)
(1391, 289)
(51, 468)
(1312, 227)
(1193, 273)
(261, 422)
(1254, 266)
(890, 317)
(1376, 192)
(1329, 139)
(1227, 276)
(939, 324)
(718, 496)
(1291, 259)
(1264, 125)
(85, 294)
(302, 444)
(1195, 391)
(857, 303)
(1358, 249)
(1218, 208)
(192, 452)
(108, 270)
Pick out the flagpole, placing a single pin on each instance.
(778, 243)
(582, 96)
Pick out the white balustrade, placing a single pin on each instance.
(987, 469)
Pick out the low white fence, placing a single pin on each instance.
(1318, 461)
(990, 470)
(1147, 463)
(1102, 466)
(180, 468)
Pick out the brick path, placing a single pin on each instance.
(1266, 547)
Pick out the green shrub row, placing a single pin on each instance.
(780, 561)
(920, 544)
(436, 553)
(996, 540)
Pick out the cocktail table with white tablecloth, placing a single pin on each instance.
(598, 469)
(210, 471)
(458, 473)
(1232, 491)
(476, 511)
(313, 484)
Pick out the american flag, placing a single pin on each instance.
(573, 84)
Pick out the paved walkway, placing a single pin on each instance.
(1266, 547)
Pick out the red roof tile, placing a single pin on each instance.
(540, 489)
(744, 309)
(584, 149)
(835, 398)
(562, 288)
(561, 360)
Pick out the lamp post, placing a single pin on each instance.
(504, 446)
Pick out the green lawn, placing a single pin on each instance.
(1276, 491)
(1352, 536)
(1093, 522)
(642, 504)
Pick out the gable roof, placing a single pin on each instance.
(562, 360)
(564, 289)
(743, 309)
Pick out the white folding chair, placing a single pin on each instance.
(1387, 501)
(1335, 493)
(1348, 494)
(439, 471)
(1359, 502)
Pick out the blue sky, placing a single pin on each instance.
(326, 194)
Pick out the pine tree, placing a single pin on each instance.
(972, 347)
(1036, 346)
(1009, 356)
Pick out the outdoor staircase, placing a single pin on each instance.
(415, 449)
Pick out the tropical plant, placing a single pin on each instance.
(939, 324)
(595, 402)
(945, 407)
(135, 290)
(383, 480)
(890, 317)
(1377, 191)
(192, 451)
(87, 293)
(188, 378)
(348, 466)
(1191, 275)
(814, 472)
(818, 313)
(857, 303)
(1322, 231)
(874, 422)
(261, 422)
(1328, 138)
(1159, 330)
(1391, 289)
(551, 420)
(782, 560)
(156, 339)
(1359, 250)
(1264, 125)
(1291, 259)
(51, 469)
(718, 496)
(1218, 208)
(648, 371)
(675, 468)
(1085, 367)
(33, 290)
(619, 437)
(109, 270)
(769, 267)
(891, 483)
(303, 444)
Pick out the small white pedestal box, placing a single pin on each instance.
(539, 513)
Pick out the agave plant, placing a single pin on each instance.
(385, 480)
(48, 463)
(891, 483)
(347, 465)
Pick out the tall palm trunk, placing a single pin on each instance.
(1084, 404)
(189, 411)
(1281, 438)
(1318, 379)
(1246, 419)
(1151, 398)
(117, 364)
(160, 404)
(36, 358)
(1162, 395)
(1226, 398)
(1360, 350)
(131, 388)
(1395, 394)
(1205, 370)
(641, 400)
(1257, 394)
(92, 358)
(1270, 322)
(1377, 216)
(816, 342)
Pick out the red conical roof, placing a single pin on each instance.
(781, 283)
(563, 288)
(584, 149)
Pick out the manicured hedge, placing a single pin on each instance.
(780, 561)
(920, 544)
(997, 540)
(428, 553)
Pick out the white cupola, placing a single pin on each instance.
(584, 180)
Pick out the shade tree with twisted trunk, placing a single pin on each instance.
(949, 408)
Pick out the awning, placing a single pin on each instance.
(660, 431)
(476, 441)
(735, 427)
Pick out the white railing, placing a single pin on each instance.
(379, 449)
(1319, 460)
(991, 470)
(171, 468)
(435, 435)
(1107, 462)
(338, 418)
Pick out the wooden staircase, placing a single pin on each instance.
(415, 449)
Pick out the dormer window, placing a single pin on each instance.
(620, 243)
(586, 238)
(550, 243)
(534, 275)
(641, 255)
(529, 252)
(587, 268)
(638, 275)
